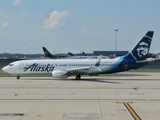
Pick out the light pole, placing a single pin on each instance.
(27, 50)
(116, 30)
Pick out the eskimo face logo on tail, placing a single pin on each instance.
(142, 49)
(39, 68)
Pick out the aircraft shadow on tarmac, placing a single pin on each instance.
(130, 74)
(95, 80)
(100, 80)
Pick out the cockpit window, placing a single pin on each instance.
(11, 64)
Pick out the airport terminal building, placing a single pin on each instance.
(110, 54)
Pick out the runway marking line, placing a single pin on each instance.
(123, 102)
(131, 111)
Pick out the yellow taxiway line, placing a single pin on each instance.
(131, 111)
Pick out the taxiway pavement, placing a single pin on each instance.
(91, 98)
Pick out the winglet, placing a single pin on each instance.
(98, 61)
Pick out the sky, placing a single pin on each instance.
(77, 25)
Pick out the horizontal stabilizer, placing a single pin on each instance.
(146, 61)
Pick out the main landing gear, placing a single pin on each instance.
(78, 77)
(18, 77)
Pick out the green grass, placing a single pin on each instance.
(5, 75)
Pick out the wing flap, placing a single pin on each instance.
(78, 70)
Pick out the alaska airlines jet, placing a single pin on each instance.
(62, 68)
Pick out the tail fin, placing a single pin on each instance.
(141, 50)
(84, 54)
(47, 53)
(70, 54)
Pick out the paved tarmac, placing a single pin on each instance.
(91, 98)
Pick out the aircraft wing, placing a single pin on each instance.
(78, 70)
(85, 69)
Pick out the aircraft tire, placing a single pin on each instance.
(78, 77)
(18, 77)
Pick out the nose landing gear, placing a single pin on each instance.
(18, 77)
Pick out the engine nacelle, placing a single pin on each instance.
(59, 74)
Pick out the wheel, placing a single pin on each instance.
(78, 77)
(18, 77)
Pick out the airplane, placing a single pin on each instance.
(84, 56)
(63, 68)
(72, 56)
(49, 55)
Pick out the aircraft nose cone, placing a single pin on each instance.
(4, 69)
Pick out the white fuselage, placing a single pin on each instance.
(49, 65)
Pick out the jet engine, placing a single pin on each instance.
(59, 74)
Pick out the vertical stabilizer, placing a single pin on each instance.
(47, 53)
(141, 50)
(70, 54)
(84, 54)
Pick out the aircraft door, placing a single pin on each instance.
(125, 64)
